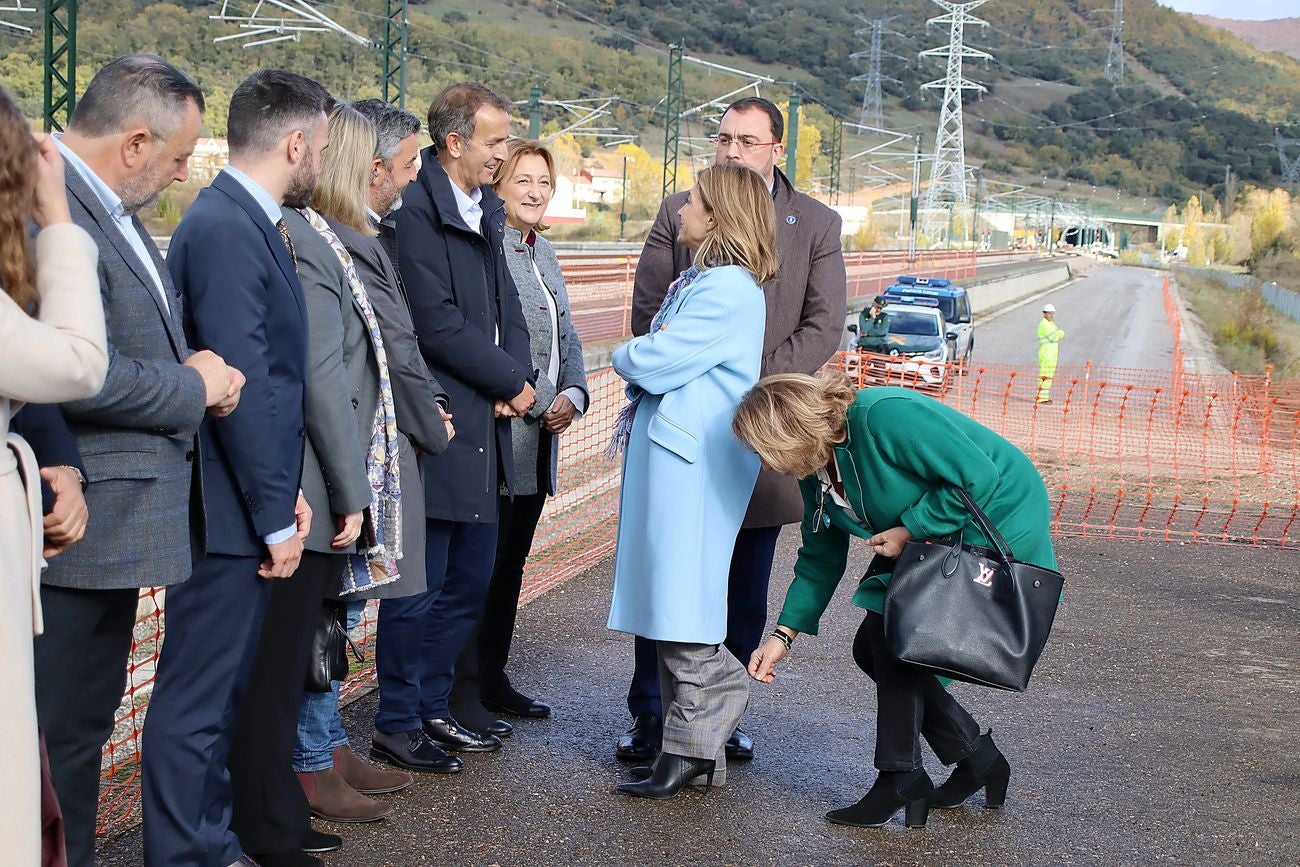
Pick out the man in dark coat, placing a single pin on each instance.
(472, 333)
(805, 313)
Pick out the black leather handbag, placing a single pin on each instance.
(970, 613)
(329, 649)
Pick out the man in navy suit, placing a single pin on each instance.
(242, 301)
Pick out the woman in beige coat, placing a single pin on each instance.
(52, 349)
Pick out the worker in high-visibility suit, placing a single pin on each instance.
(1049, 343)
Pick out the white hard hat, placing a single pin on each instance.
(1049, 308)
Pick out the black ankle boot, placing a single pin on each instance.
(670, 775)
(892, 792)
(985, 768)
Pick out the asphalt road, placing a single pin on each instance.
(1161, 728)
(1113, 316)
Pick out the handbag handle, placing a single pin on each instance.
(982, 521)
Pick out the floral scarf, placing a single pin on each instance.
(623, 424)
(380, 545)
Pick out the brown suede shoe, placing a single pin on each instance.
(331, 798)
(365, 777)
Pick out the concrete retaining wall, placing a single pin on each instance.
(986, 295)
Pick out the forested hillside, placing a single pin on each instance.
(1195, 99)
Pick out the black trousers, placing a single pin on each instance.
(751, 570)
(80, 674)
(270, 809)
(481, 668)
(910, 704)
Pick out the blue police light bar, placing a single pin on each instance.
(934, 282)
(916, 300)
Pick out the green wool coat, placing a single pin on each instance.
(902, 457)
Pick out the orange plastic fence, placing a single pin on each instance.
(1126, 453)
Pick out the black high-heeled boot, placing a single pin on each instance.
(985, 768)
(671, 774)
(893, 791)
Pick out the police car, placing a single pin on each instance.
(916, 350)
(952, 302)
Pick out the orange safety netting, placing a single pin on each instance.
(1126, 453)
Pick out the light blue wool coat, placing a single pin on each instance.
(687, 480)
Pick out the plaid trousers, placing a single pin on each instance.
(705, 691)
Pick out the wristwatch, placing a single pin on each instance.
(81, 477)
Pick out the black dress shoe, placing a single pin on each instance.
(452, 736)
(740, 746)
(316, 842)
(476, 719)
(413, 752)
(516, 703)
(644, 772)
(671, 774)
(292, 858)
(644, 740)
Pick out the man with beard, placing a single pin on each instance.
(131, 135)
(233, 262)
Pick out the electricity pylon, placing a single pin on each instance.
(1115, 55)
(1290, 165)
(948, 170)
(872, 113)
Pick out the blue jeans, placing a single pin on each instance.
(320, 726)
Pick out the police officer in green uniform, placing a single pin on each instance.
(873, 325)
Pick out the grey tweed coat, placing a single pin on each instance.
(137, 436)
(526, 432)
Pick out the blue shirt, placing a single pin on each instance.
(273, 213)
(125, 222)
(261, 196)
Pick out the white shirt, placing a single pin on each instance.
(273, 213)
(468, 205)
(825, 478)
(125, 222)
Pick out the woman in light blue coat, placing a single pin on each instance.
(687, 480)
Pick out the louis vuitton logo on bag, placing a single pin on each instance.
(985, 578)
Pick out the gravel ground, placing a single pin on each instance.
(1161, 728)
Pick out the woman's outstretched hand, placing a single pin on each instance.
(890, 543)
(762, 665)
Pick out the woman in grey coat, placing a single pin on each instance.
(525, 182)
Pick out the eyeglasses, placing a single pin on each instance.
(745, 142)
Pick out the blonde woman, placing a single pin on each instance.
(52, 349)
(883, 464)
(687, 480)
(525, 181)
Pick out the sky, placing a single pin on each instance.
(1253, 10)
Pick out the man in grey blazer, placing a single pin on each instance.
(805, 313)
(423, 425)
(131, 135)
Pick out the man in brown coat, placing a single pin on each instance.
(805, 314)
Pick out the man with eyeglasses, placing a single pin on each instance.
(806, 306)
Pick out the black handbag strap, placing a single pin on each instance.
(982, 521)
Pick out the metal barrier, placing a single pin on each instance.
(600, 291)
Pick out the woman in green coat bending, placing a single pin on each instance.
(884, 464)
